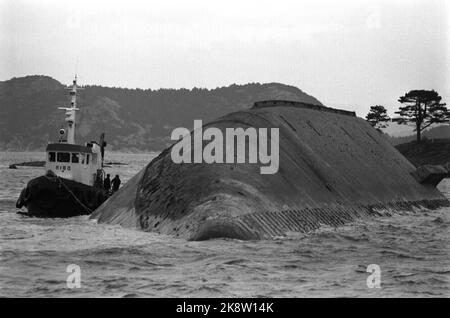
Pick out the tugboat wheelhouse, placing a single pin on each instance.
(74, 162)
(69, 160)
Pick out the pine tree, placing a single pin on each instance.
(377, 117)
(423, 108)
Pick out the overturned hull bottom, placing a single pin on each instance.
(51, 196)
(333, 168)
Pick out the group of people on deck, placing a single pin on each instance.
(113, 185)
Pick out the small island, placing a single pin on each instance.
(27, 164)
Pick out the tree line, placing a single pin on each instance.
(421, 108)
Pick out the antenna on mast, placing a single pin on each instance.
(70, 111)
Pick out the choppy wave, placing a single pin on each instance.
(412, 249)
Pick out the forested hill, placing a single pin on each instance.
(133, 119)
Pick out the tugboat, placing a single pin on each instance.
(73, 183)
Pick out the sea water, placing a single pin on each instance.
(411, 248)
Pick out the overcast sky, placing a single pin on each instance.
(348, 54)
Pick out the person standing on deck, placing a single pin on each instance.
(115, 183)
(107, 184)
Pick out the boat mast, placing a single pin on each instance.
(70, 112)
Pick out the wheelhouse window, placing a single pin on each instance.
(51, 156)
(63, 157)
(75, 158)
(87, 159)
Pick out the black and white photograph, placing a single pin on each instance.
(224, 154)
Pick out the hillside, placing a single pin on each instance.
(436, 152)
(133, 119)
(438, 132)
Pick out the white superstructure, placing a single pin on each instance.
(81, 163)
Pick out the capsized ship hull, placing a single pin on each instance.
(334, 168)
(51, 196)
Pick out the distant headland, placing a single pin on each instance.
(135, 120)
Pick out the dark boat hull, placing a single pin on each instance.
(51, 196)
